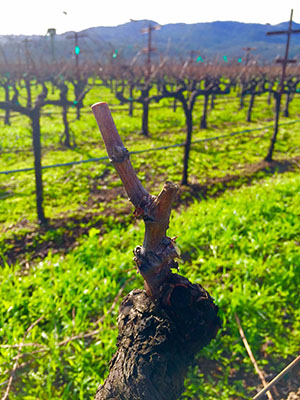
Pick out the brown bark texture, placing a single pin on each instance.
(161, 328)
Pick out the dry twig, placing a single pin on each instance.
(12, 374)
(249, 351)
(277, 378)
(16, 346)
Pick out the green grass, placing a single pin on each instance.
(243, 247)
(69, 188)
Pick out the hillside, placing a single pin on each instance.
(212, 40)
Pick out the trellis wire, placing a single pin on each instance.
(105, 158)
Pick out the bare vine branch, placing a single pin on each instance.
(156, 257)
(249, 351)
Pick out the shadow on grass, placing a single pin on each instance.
(251, 173)
(61, 234)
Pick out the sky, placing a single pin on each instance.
(30, 17)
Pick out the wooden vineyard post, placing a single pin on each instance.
(75, 36)
(248, 51)
(162, 327)
(65, 138)
(278, 95)
(149, 50)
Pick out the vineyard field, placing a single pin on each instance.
(237, 224)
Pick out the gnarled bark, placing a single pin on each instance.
(158, 340)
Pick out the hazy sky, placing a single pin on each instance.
(36, 16)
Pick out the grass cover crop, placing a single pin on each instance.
(243, 246)
(71, 191)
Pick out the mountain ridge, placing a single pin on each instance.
(211, 40)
